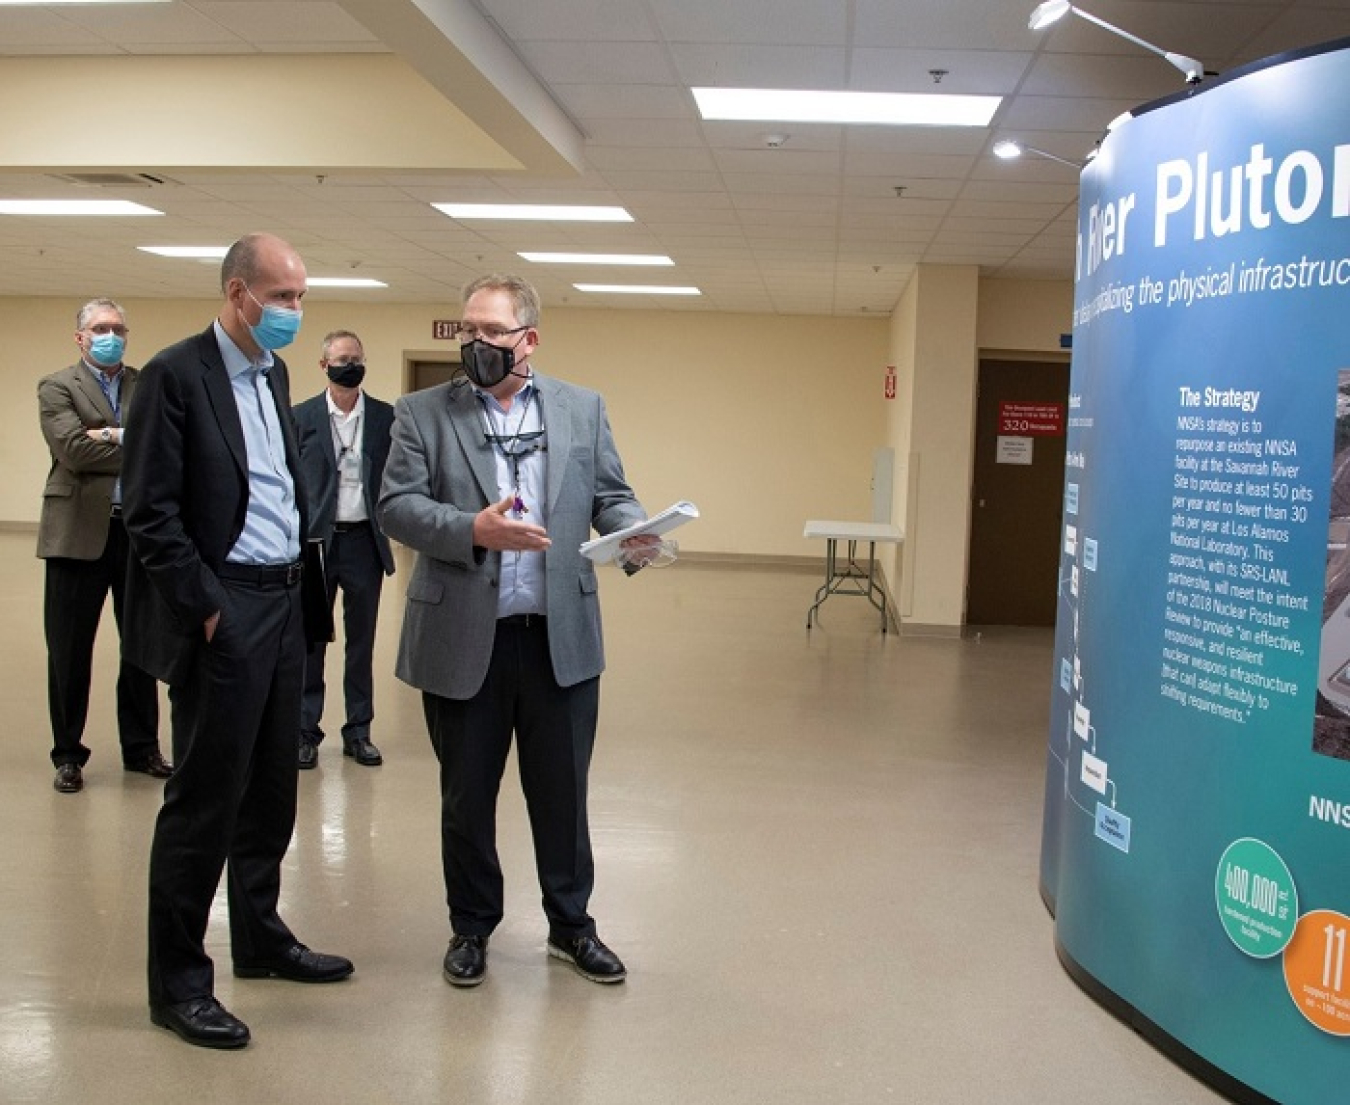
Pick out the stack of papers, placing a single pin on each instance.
(603, 549)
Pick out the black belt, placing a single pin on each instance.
(263, 575)
(351, 527)
(524, 621)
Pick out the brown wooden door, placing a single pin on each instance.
(1017, 508)
(428, 373)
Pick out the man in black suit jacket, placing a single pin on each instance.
(344, 442)
(214, 507)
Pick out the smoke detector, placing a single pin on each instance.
(774, 141)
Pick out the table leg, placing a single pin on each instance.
(823, 592)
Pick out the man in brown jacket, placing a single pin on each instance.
(82, 539)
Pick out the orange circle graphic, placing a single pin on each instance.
(1317, 969)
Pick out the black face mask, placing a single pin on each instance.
(347, 375)
(487, 365)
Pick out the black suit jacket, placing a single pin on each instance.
(185, 498)
(319, 464)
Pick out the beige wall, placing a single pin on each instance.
(945, 318)
(762, 421)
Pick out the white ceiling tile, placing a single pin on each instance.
(771, 22)
(726, 65)
(815, 226)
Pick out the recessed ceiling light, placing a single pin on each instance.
(536, 211)
(204, 253)
(638, 289)
(345, 282)
(597, 258)
(74, 207)
(905, 109)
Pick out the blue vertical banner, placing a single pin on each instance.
(1196, 847)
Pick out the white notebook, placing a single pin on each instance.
(602, 549)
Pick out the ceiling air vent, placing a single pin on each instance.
(114, 180)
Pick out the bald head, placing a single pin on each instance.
(259, 270)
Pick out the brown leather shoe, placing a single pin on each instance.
(69, 779)
(154, 765)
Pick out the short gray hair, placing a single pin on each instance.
(338, 335)
(520, 290)
(83, 315)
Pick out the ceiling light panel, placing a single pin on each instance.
(74, 207)
(638, 289)
(597, 258)
(876, 108)
(540, 212)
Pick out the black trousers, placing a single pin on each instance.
(72, 607)
(555, 733)
(232, 797)
(353, 567)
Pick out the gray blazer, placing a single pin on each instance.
(440, 473)
(77, 500)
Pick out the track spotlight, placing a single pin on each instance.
(1054, 10)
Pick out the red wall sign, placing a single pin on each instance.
(890, 381)
(444, 329)
(1030, 419)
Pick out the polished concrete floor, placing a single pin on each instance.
(817, 854)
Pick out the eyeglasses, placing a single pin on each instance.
(489, 333)
(636, 557)
(107, 328)
(517, 444)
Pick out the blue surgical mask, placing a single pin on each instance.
(107, 349)
(277, 327)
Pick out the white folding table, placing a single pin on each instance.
(845, 575)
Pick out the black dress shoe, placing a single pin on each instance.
(466, 960)
(309, 754)
(201, 1021)
(154, 765)
(298, 964)
(363, 752)
(590, 957)
(69, 779)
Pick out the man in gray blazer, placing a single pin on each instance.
(82, 539)
(496, 482)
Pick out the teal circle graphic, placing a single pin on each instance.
(1256, 898)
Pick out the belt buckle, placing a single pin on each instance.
(293, 573)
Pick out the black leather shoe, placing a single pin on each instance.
(309, 754)
(590, 957)
(154, 765)
(202, 1021)
(298, 964)
(363, 752)
(466, 960)
(69, 779)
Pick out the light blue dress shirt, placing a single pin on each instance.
(112, 391)
(271, 533)
(522, 588)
